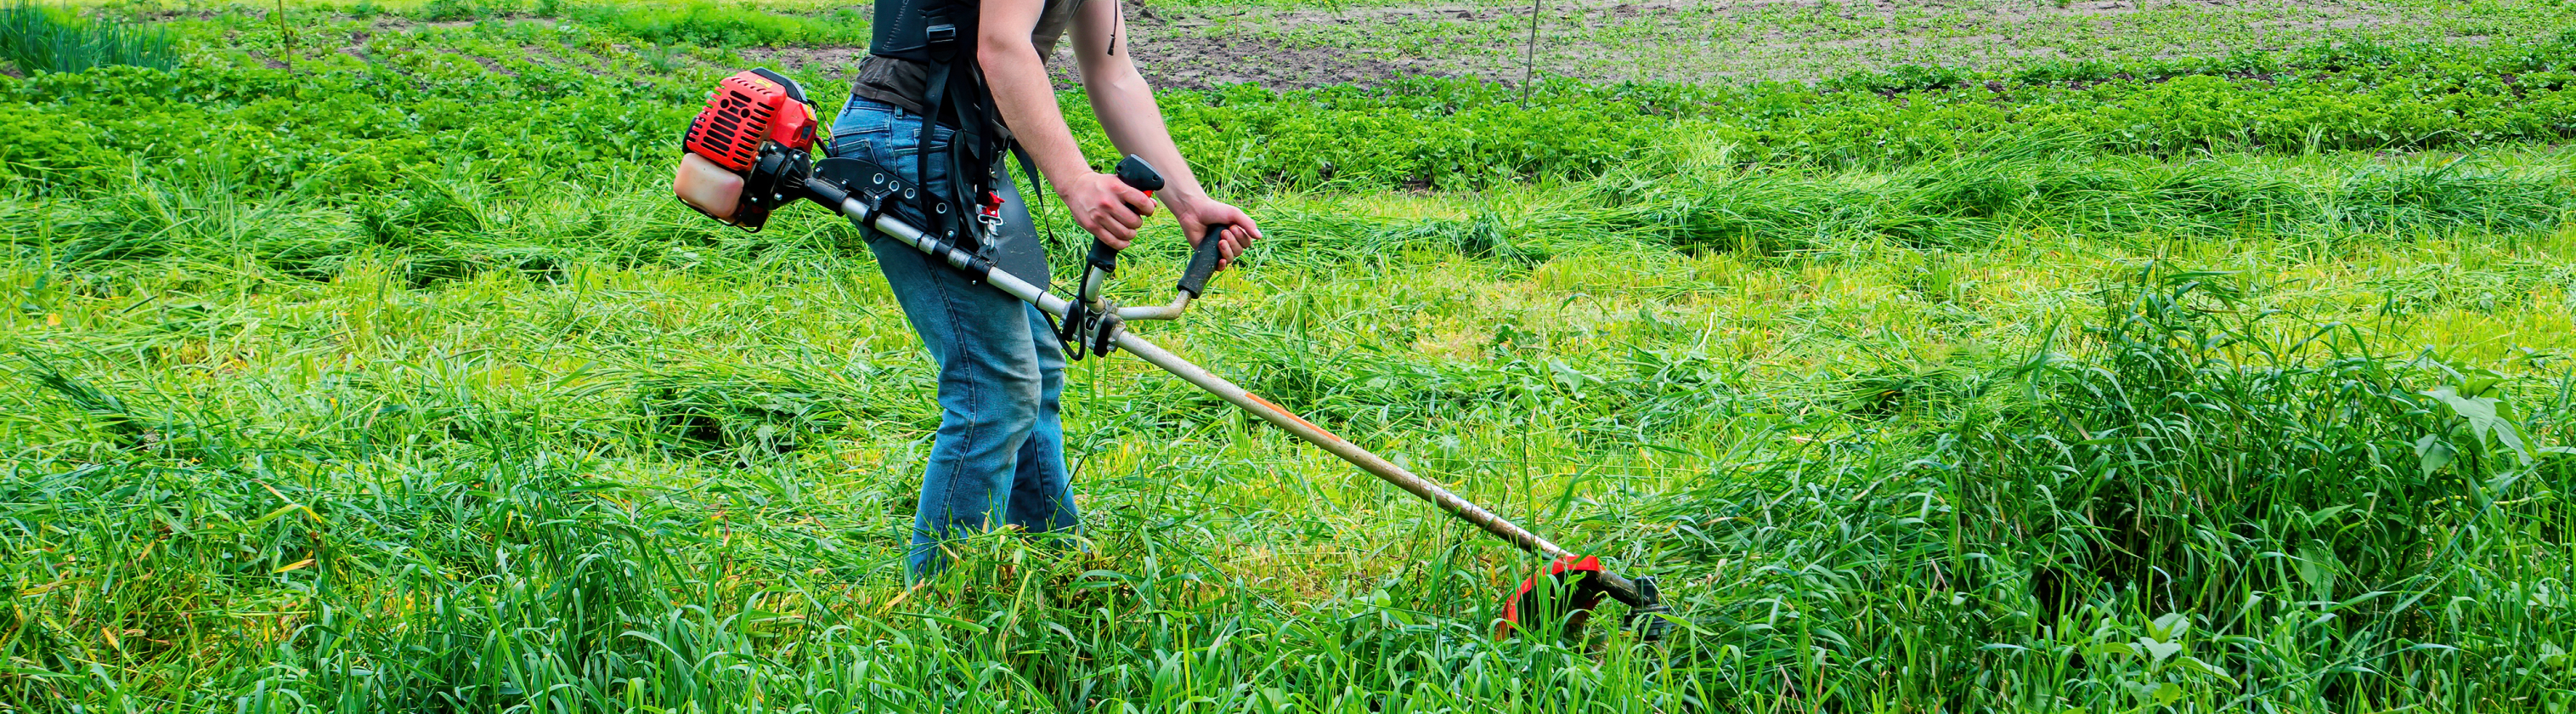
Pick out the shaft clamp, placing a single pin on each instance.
(1087, 328)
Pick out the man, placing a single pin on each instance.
(998, 457)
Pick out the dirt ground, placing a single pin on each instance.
(1206, 62)
(1715, 40)
(1200, 47)
(1177, 62)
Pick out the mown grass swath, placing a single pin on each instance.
(351, 387)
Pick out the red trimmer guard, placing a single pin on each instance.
(1578, 607)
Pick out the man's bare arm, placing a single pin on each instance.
(1099, 203)
(1125, 105)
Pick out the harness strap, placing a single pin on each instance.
(1037, 193)
(932, 106)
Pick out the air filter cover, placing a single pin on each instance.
(746, 109)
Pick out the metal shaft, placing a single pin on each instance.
(1376, 465)
(1233, 394)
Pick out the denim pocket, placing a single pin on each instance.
(886, 135)
(860, 128)
(902, 138)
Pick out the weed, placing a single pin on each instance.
(699, 23)
(38, 39)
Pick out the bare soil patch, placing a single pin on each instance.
(489, 64)
(1696, 41)
(1169, 63)
(1620, 40)
(1204, 63)
(835, 62)
(1172, 54)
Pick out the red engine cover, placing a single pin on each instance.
(746, 109)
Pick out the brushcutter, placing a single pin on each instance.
(748, 154)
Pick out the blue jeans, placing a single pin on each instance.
(1000, 447)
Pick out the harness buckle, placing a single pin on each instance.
(989, 213)
(992, 202)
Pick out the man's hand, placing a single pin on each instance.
(1196, 214)
(1107, 207)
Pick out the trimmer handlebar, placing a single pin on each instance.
(1102, 261)
(1203, 260)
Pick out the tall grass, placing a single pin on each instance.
(305, 454)
(2218, 507)
(34, 38)
(2194, 505)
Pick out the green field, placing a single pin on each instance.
(2047, 357)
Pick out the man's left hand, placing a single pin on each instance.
(1197, 214)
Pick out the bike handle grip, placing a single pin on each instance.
(1203, 261)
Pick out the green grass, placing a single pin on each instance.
(725, 26)
(2028, 423)
(35, 38)
(532, 483)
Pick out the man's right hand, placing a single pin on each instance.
(1107, 207)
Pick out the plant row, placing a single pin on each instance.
(516, 102)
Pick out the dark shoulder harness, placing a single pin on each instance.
(941, 34)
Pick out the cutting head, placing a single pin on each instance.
(1572, 588)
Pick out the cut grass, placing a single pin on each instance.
(530, 100)
(571, 486)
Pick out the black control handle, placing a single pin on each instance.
(1203, 260)
(1140, 175)
(1102, 256)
